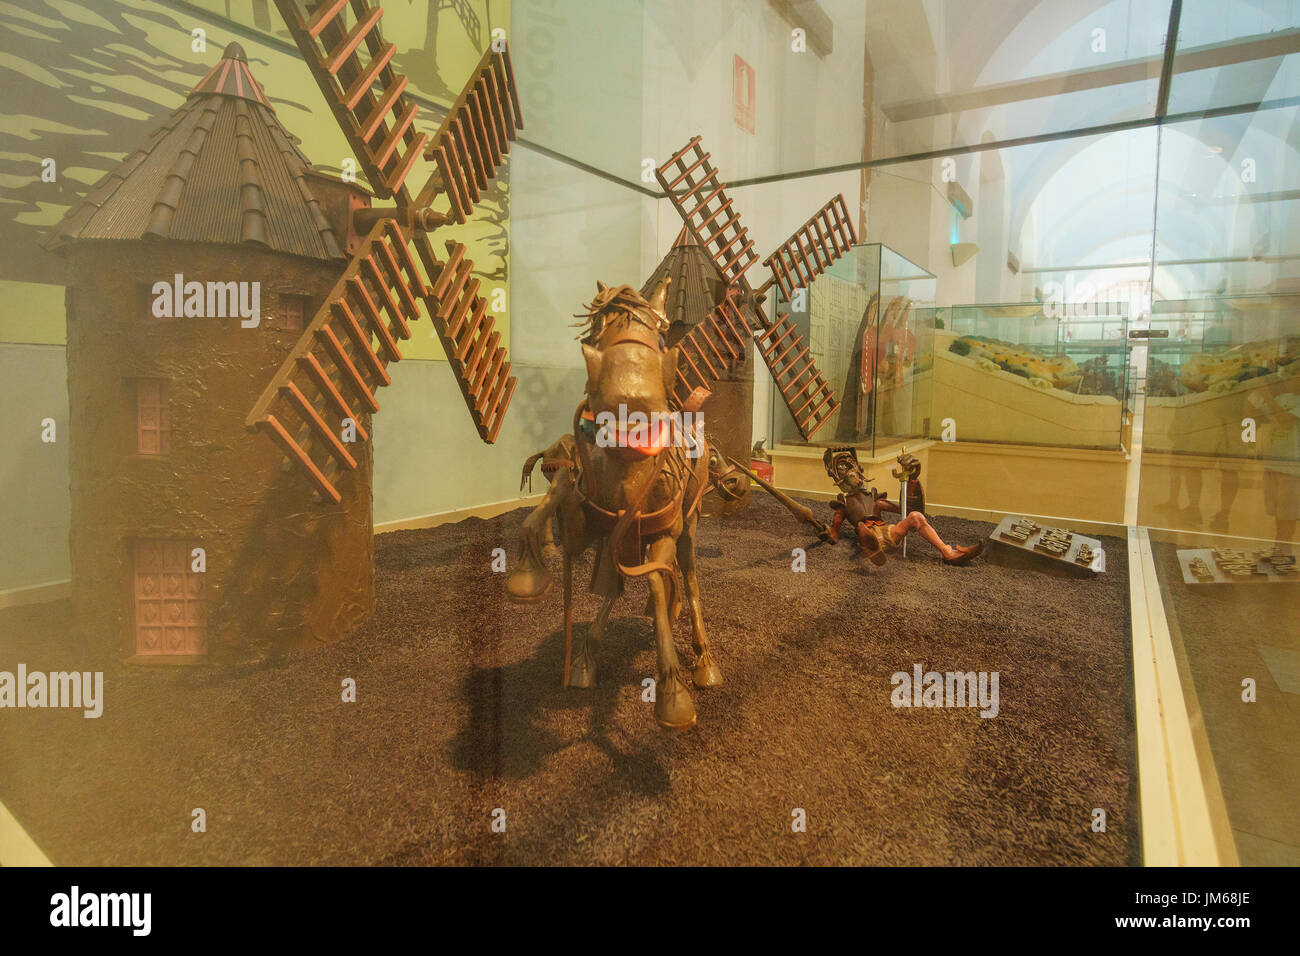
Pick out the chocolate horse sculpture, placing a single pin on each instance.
(634, 492)
(559, 455)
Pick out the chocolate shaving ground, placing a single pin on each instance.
(460, 711)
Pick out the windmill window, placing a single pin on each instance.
(153, 424)
(292, 310)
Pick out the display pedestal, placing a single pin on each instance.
(1264, 572)
(1029, 552)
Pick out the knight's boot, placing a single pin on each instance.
(530, 580)
(706, 672)
(582, 669)
(674, 709)
(966, 555)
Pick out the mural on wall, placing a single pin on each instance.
(89, 81)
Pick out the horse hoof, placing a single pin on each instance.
(525, 585)
(706, 672)
(674, 709)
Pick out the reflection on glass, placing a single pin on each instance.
(957, 73)
(1039, 374)
(1234, 53)
(869, 324)
(1222, 409)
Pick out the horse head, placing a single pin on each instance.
(630, 374)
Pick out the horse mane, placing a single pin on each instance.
(617, 308)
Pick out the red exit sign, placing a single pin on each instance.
(744, 86)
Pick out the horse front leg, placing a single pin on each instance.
(582, 673)
(706, 672)
(550, 540)
(529, 581)
(674, 709)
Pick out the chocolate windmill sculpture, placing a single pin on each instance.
(713, 350)
(330, 378)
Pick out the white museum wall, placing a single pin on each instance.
(807, 108)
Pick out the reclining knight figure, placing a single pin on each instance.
(863, 507)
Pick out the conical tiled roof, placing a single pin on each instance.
(221, 169)
(697, 286)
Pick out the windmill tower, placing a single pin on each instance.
(190, 533)
(697, 288)
(186, 537)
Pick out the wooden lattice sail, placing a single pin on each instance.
(814, 246)
(341, 360)
(341, 44)
(699, 196)
(711, 351)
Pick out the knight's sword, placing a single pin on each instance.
(902, 504)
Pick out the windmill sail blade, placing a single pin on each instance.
(340, 361)
(813, 248)
(474, 138)
(699, 196)
(710, 352)
(468, 336)
(341, 42)
(805, 391)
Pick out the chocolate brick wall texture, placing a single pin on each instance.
(284, 569)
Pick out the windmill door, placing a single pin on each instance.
(169, 609)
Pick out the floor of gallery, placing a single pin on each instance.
(460, 712)
(1229, 633)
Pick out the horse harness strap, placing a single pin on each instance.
(627, 529)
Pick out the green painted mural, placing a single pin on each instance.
(86, 82)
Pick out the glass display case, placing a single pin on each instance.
(1213, 365)
(397, 577)
(1041, 374)
(1222, 398)
(869, 322)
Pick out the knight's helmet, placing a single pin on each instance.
(837, 458)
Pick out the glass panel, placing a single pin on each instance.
(873, 357)
(1239, 666)
(1235, 52)
(980, 72)
(1067, 220)
(1228, 326)
(862, 82)
(1029, 374)
(1220, 449)
(904, 351)
(1220, 472)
